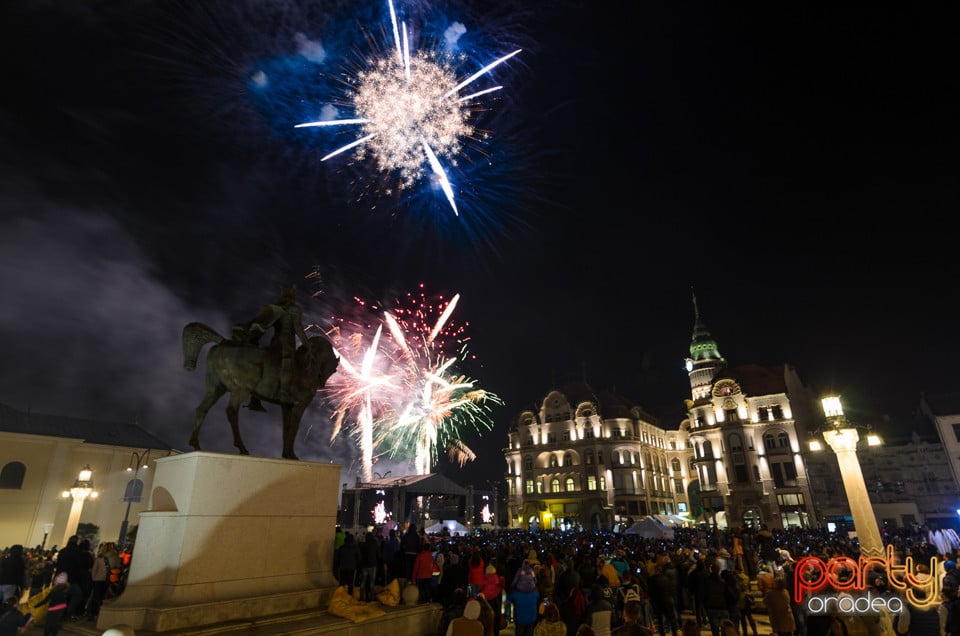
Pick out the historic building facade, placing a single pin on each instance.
(592, 459)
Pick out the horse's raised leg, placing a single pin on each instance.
(214, 393)
(233, 415)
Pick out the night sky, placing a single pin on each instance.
(795, 167)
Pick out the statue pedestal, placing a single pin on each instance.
(230, 537)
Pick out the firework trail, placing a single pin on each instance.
(409, 111)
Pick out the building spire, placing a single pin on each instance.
(702, 344)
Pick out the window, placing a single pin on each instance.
(588, 433)
(603, 483)
(740, 473)
(735, 443)
(528, 441)
(568, 460)
(678, 486)
(778, 412)
(599, 457)
(783, 440)
(617, 433)
(553, 461)
(591, 482)
(529, 486)
(762, 413)
(539, 486)
(675, 464)
(528, 463)
(11, 477)
(756, 473)
(565, 436)
(769, 442)
(554, 485)
(956, 431)
(708, 450)
(588, 457)
(731, 415)
(551, 438)
(569, 484)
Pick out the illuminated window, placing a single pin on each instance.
(591, 482)
(554, 485)
(529, 486)
(603, 483)
(569, 484)
(553, 461)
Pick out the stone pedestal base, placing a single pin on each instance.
(230, 537)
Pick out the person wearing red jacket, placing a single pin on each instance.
(423, 572)
(476, 568)
(492, 588)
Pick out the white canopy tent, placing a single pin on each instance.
(650, 528)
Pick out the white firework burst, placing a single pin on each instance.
(410, 112)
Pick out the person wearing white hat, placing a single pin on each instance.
(469, 624)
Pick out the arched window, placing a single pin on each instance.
(554, 485)
(736, 445)
(675, 464)
(553, 461)
(568, 460)
(12, 474)
(569, 484)
(528, 463)
(769, 442)
(783, 440)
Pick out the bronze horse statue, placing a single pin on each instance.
(246, 370)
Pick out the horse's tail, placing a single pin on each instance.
(195, 335)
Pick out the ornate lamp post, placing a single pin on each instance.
(82, 488)
(133, 491)
(842, 438)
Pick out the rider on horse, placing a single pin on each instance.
(286, 318)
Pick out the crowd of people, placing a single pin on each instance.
(69, 583)
(572, 584)
(596, 583)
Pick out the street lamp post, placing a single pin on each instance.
(82, 488)
(842, 438)
(133, 491)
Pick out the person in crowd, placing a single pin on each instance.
(663, 594)
(13, 573)
(491, 588)
(468, 624)
(349, 558)
(410, 545)
(369, 562)
(58, 602)
(697, 584)
(74, 562)
(41, 573)
(745, 603)
(454, 577)
(733, 596)
(392, 556)
(525, 611)
(630, 625)
(767, 547)
(951, 578)
(716, 598)
(13, 622)
(550, 623)
(107, 560)
(475, 570)
(422, 573)
(486, 615)
(452, 610)
(599, 614)
(777, 602)
(339, 536)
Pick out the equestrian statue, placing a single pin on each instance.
(279, 373)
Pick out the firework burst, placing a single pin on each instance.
(399, 390)
(410, 111)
